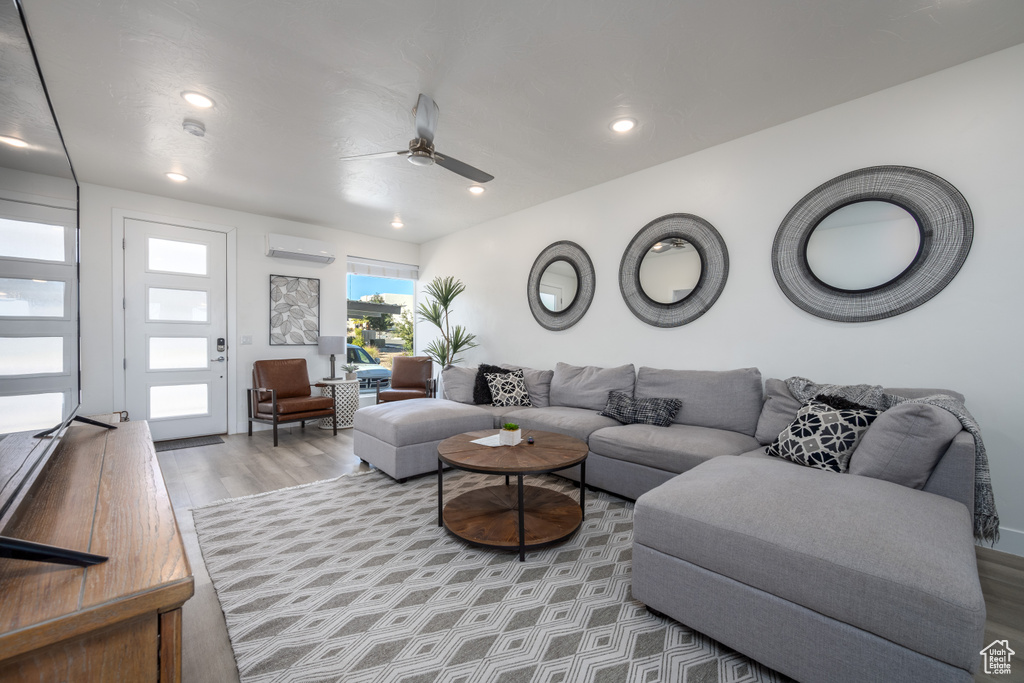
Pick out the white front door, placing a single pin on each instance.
(176, 359)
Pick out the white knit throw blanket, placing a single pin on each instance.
(986, 519)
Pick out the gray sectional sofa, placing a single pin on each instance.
(821, 576)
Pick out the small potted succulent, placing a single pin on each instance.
(510, 434)
(350, 371)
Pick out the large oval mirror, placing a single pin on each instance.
(670, 270)
(558, 285)
(872, 243)
(673, 270)
(561, 285)
(863, 245)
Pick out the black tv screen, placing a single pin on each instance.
(39, 256)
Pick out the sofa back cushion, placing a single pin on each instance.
(538, 384)
(905, 443)
(588, 386)
(780, 407)
(457, 383)
(728, 399)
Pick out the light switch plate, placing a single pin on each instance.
(246, 339)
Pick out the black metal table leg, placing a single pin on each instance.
(440, 493)
(522, 523)
(506, 480)
(583, 487)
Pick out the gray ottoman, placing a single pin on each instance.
(401, 438)
(821, 576)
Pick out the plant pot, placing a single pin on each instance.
(351, 375)
(509, 438)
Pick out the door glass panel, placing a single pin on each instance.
(31, 355)
(21, 298)
(23, 239)
(177, 305)
(34, 411)
(178, 400)
(172, 256)
(177, 353)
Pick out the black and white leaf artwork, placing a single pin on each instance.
(294, 310)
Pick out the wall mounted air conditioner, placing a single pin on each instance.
(286, 246)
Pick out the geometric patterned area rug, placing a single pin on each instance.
(352, 580)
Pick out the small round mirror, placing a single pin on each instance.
(670, 270)
(558, 284)
(863, 245)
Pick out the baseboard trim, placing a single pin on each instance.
(1010, 541)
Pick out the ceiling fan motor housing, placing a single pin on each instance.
(421, 152)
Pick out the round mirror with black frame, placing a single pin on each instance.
(872, 243)
(561, 285)
(673, 270)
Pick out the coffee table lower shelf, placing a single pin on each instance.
(489, 517)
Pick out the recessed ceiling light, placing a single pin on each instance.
(397, 224)
(476, 189)
(623, 125)
(176, 177)
(13, 142)
(197, 99)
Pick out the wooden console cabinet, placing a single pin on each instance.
(116, 621)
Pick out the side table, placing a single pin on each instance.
(346, 402)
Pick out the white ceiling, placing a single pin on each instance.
(526, 90)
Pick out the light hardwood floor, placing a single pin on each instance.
(244, 466)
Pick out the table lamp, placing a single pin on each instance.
(332, 345)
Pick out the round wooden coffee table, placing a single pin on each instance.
(510, 517)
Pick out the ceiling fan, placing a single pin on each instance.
(669, 244)
(421, 148)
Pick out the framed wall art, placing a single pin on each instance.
(294, 311)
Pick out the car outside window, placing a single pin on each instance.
(359, 356)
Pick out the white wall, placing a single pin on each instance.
(963, 124)
(100, 372)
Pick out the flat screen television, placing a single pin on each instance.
(40, 382)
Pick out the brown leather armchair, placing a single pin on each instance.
(411, 377)
(281, 393)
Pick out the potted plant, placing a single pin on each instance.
(510, 434)
(441, 292)
(350, 371)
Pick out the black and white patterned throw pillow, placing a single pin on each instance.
(481, 390)
(508, 388)
(648, 411)
(824, 434)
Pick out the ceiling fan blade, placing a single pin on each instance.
(463, 169)
(426, 118)
(376, 155)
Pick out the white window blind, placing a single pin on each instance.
(368, 266)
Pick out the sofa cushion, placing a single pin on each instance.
(457, 383)
(498, 413)
(481, 390)
(824, 434)
(881, 557)
(508, 389)
(419, 420)
(675, 448)
(780, 406)
(905, 443)
(538, 383)
(646, 411)
(587, 387)
(576, 422)
(729, 400)
(779, 410)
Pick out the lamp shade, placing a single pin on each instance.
(332, 345)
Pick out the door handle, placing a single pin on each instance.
(219, 359)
